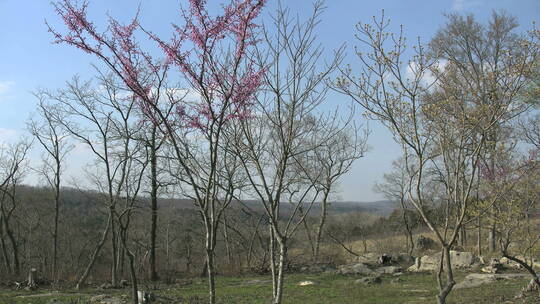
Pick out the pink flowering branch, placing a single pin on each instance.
(227, 83)
(505, 171)
(117, 48)
(226, 89)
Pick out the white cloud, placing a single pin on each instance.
(188, 95)
(5, 88)
(427, 78)
(460, 5)
(80, 150)
(8, 135)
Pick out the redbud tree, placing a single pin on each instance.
(211, 53)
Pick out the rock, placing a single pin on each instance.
(306, 283)
(384, 259)
(505, 260)
(145, 297)
(369, 280)
(389, 270)
(477, 279)
(462, 259)
(368, 258)
(403, 258)
(424, 243)
(417, 262)
(106, 286)
(476, 266)
(494, 266)
(425, 263)
(459, 259)
(490, 269)
(509, 263)
(318, 268)
(358, 268)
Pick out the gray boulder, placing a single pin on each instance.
(358, 268)
(368, 258)
(389, 270)
(318, 268)
(459, 259)
(477, 279)
(425, 263)
(462, 259)
(403, 258)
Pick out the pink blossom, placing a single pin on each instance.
(227, 84)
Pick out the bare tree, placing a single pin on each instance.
(394, 188)
(514, 180)
(13, 158)
(493, 63)
(217, 69)
(92, 117)
(283, 128)
(54, 140)
(133, 167)
(343, 143)
(531, 130)
(437, 113)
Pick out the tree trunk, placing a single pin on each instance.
(408, 229)
(133, 274)
(31, 278)
(281, 271)
(121, 259)
(211, 275)
(252, 242)
(15, 248)
(273, 270)
(491, 239)
(320, 227)
(4, 247)
(55, 276)
(226, 238)
(528, 267)
(167, 262)
(153, 207)
(99, 246)
(479, 237)
(461, 236)
(445, 288)
(132, 271)
(211, 230)
(114, 245)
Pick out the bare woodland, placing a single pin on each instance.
(222, 155)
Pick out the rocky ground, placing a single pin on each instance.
(371, 279)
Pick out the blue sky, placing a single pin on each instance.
(28, 59)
